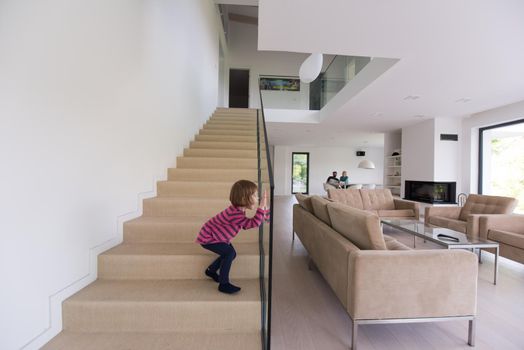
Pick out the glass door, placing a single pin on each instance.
(300, 172)
(501, 161)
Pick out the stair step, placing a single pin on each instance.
(221, 153)
(164, 229)
(196, 189)
(227, 175)
(224, 145)
(222, 120)
(229, 126)
(226, 138)
(162, 206)
(162, 306)
(152, 261)
(68, 340)
(228, 132)
(216, 163)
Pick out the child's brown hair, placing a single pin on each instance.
(242, 192)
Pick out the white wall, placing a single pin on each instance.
(470, 135)
(448, 153)
(417, 152)
(97, 98)
(324, 160)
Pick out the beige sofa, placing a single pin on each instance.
(508, 231)
(377, 201)
(378, 279)
(466, 219)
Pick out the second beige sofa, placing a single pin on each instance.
(376, 201)
(378, 279)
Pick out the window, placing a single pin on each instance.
(501, 161)
(299, 172)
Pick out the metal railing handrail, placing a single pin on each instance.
(266, 332)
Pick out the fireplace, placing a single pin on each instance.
(431, 192)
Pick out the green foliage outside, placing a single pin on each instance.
(507, 168)
(299, 173)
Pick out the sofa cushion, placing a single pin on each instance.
(360, 227)
(305, 202)
(482, 204)
(378, 199)
(320, 209)
(396, 213)
(393, 244)
(452, 224)
(350, 197)
(510, 238)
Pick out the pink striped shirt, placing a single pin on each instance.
(224, 226)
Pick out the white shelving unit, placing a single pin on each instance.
(393, 174)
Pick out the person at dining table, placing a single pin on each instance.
(333, 180)
(344, 180)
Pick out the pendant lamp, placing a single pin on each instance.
(310, 68)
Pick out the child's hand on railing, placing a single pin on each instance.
(263, 202)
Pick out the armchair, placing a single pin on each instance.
(466, 219)
(508, 231)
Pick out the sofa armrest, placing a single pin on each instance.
(472, 228)
(404, 204)
(447, 212)
(412, 284)
(505, 222)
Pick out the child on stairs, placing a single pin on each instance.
(217, 232)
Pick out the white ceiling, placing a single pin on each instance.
(312, 135)
(449, 50)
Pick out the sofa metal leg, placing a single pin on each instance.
(354, 335)
(480, 256)
(471, 332)
(293, 236)
(310, 263)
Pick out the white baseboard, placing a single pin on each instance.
(55, 300)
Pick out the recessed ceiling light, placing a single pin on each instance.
(411, 97)
(463, 100)
(419, 116)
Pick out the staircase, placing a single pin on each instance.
(151, 292)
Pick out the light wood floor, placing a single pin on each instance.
(307, 314)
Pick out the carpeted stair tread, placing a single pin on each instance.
(204, 290)
(224, 145)
(226, 138)
(222, 153)
(196, 189)
(181, 248)
(213, 174)
(172, 261)
(216, 163)
(70, 340)
(171, 229)
(252, 132)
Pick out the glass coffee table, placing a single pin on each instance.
(445, 237)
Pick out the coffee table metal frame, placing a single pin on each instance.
(428, 233)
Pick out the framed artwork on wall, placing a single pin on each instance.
(279, 83)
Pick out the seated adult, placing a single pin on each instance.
(333, 180)
(344, 180)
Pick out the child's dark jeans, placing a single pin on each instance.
(226, 254)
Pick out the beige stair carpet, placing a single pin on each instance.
(151, 292)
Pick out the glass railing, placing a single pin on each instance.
(340, 71)
(287, 92)
(265, 183)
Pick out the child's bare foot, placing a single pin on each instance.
(228, 288)
(212, 274)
